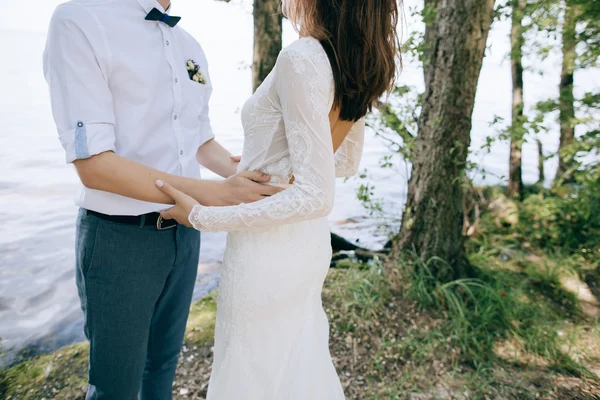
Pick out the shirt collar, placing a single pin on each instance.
(148, 5)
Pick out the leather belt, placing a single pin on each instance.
(152, 219)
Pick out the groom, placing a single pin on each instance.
(129, 92)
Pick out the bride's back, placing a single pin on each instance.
(270, 122)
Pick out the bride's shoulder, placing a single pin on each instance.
(302, 51)
(308, 45)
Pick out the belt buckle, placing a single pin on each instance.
(159, 224)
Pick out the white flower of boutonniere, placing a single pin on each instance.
(194, 72)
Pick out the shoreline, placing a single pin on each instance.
(67, 366)
(206, 283)
(27, 337)
(528, 326)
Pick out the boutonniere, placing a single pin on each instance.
(194, 72)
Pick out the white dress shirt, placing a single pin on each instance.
(120, 83)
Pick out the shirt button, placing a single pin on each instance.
(181, 152)
(167, 42)
(175, 118)
(176, 80)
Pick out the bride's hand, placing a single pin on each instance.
(183, 204)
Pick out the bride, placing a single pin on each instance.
(304, 126)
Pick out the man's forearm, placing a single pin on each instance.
(216, 158)
(111, 173)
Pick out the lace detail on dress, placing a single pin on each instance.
(347, 157)
(287, 116)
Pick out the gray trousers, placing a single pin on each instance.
(135, 286)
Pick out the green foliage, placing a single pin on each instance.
(465, 325)
(366, 195)
(201, 321)
(548, 29)
(567, 219)
(499, 306)
(588, 32)
(582, 154)
(515, 316)
(523, 126)
(397, 122)
(475, 311)
(362, 294)
(518, 297)
(61, 375)
(414, 45)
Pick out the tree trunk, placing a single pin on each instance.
(433, 218)
(541, 174)
(515, 180)
(566, 97)
(267, 38)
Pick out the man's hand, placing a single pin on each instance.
(246, 187)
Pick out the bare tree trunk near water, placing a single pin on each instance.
(541, 174)
(455, 42)
(515, 180)
(566, 96)
(267, 38)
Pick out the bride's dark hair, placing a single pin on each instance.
(361, 41)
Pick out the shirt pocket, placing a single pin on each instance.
(194, 101)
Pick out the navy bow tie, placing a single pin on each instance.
(156, 15)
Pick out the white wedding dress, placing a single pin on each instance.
(272, 335)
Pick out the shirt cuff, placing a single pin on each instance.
(87, 140)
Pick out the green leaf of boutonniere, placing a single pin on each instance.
(194, 72)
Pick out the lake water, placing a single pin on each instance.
(38, 298)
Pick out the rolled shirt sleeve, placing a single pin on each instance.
(206, 132)
(76, 67)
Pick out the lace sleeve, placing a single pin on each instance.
(348, 156)
(304, 89)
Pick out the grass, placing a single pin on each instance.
(499, 336)
(59, 375)
(201, 321)
(520, 330)
(523, 329)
